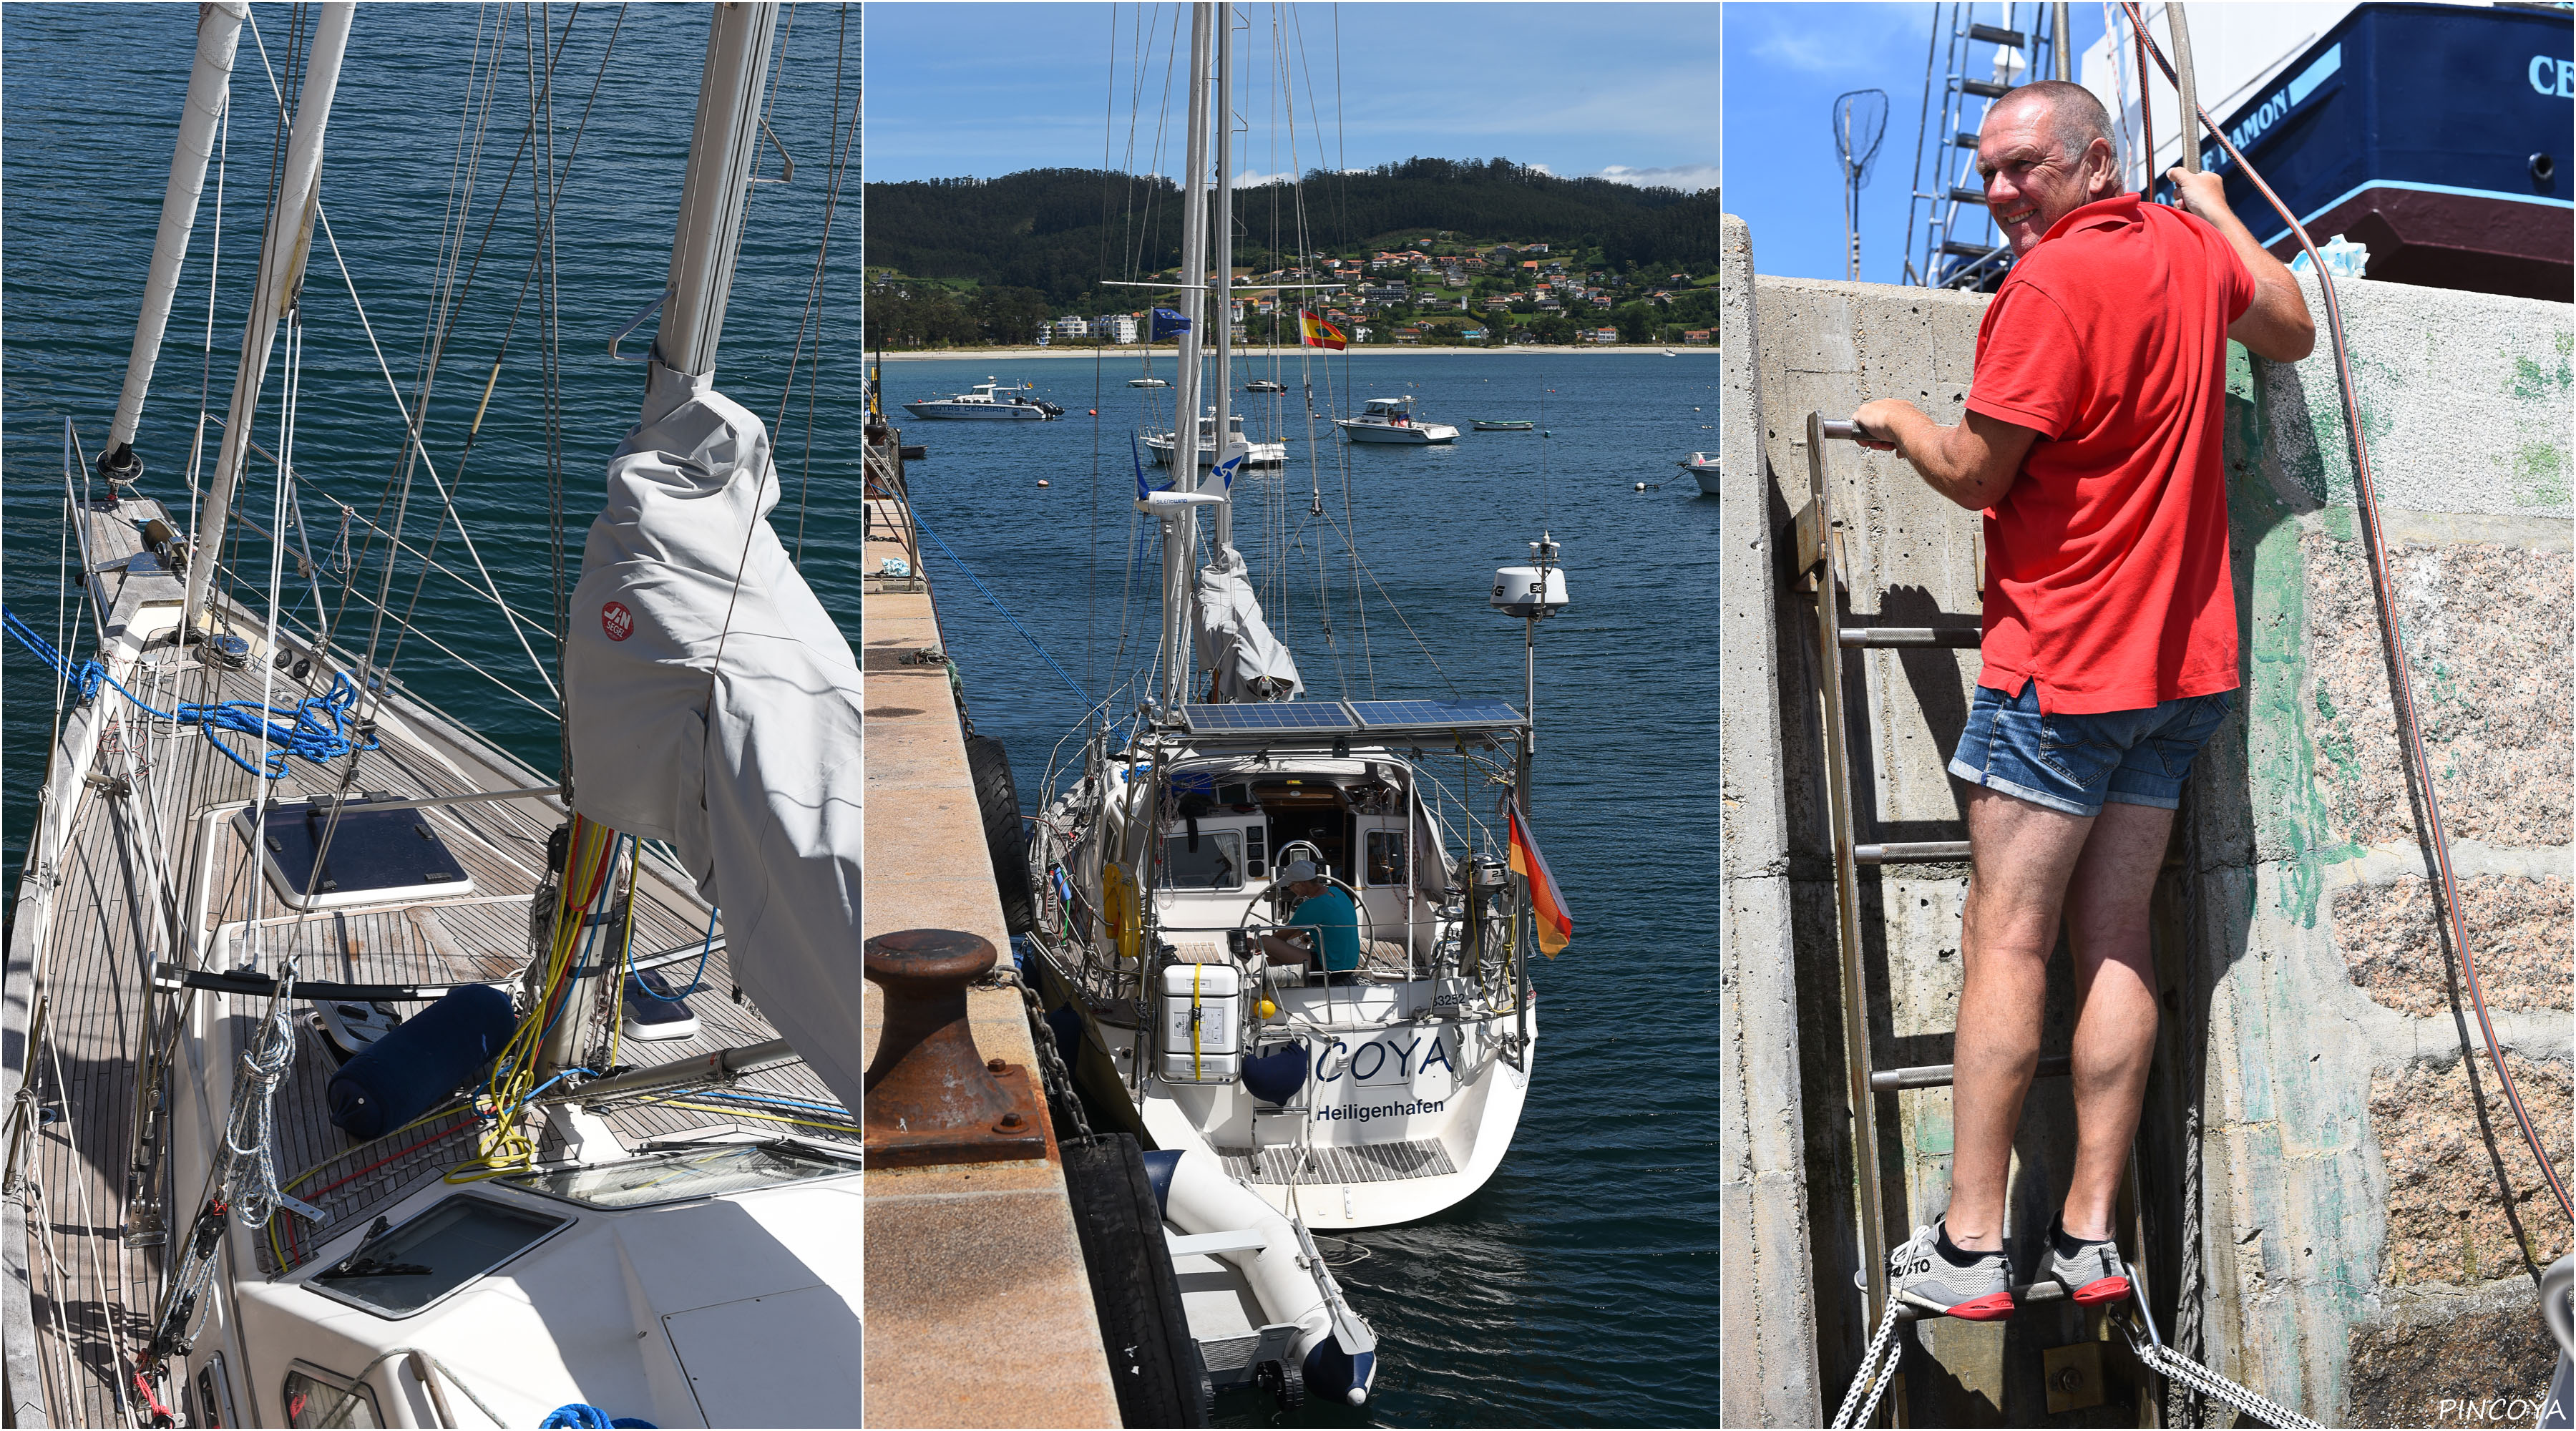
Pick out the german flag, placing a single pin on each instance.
(1320, 334)
(1555, 926)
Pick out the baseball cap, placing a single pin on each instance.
(1298, 872)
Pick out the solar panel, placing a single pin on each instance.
(1474, 714)
(1270, 718)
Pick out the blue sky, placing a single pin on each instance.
(1785, 63)
(1605, 89)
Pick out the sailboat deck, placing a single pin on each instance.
(129, 870)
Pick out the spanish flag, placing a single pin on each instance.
(1320, 334)
(1555, 926)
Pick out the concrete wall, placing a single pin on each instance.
(2349, 1232)
(1767, 1321)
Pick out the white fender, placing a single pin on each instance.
(1203, 1199)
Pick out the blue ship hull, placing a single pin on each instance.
(2438, 135)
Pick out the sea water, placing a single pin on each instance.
(92, 99)
(1579, 1286)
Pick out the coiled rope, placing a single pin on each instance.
(315, 729)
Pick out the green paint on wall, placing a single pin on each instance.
(2533, 382)
(2282, 752)
(2540, 475)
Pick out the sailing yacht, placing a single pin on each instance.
(320, 1111)
(1280, 935)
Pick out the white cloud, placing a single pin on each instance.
(1248, 179)
(1675, 176)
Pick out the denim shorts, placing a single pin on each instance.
(2078, 763)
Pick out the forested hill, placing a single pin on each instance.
(1059, 231)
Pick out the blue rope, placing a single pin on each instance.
(1072, 684)
(697, 980)
(314, 728)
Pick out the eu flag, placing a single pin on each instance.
(1167, 322)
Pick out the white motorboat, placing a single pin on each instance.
(1264, 385)
(1147, 383)
(1392, 420)
(341, 978)
(1256, 454)
(1703, 467)
(991, 401)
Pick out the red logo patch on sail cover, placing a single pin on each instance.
(617, 621)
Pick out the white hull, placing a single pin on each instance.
(1473, 1124)
(1707, 479)
(1417, 435)
(974, 412)
(1256, 454)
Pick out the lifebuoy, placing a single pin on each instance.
(1119, 907)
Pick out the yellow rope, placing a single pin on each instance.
(314, 1171)
(504, 1143)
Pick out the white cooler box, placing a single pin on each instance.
(1209, 999)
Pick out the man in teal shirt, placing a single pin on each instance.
(1324, 912)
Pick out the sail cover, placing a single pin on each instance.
(748, 764)
(1234, 643)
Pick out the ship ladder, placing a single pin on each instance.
(1821, 570)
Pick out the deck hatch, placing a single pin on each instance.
(420, 1262)
(374, 855)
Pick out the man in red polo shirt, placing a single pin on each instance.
(2092, 443)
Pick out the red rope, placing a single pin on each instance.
(2404, 686)
(295, 1244)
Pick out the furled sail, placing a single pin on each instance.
(713, 703)
(1234, 644)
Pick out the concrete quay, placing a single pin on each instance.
(2322, 1214)
(979, 1311)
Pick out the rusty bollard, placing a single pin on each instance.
(929, 1095)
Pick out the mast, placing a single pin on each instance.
(1180, 524)
(209, 90)
(715, 193)
(282, 251)
(717, 189)
(1223, 432)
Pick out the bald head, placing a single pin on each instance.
(2074, 115)
(2044, 151)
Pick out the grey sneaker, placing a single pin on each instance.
(2091, 1272)
(1978, 1292)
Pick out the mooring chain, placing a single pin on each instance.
(1051, 1066)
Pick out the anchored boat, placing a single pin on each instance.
(1255, 454)
(990, 401)
(1391, 420)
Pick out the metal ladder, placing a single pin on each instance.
(1945, 259)
(1821, 568)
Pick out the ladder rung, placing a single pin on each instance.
(1937, 1075)
(1988, 88)
(1995, 34)
(1967, 196)
(2022, 1296)
(1957, 249)
(1963, 638)
(1964, 139)
(1916, 852)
